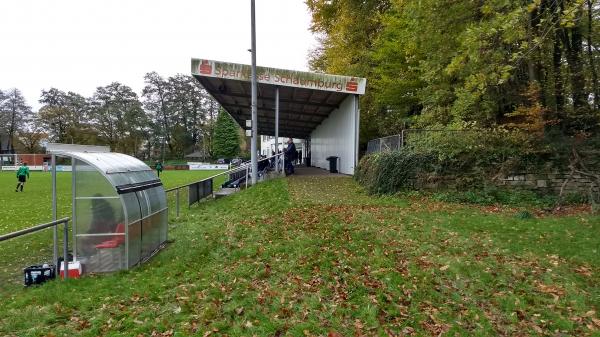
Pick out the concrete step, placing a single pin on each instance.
(225, 192)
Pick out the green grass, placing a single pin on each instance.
(317, 256)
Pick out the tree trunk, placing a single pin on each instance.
(542, 68)
(574, 52)
(11, 130)
(559, 107)
(595, 90)
(195, 125)
(531, 68)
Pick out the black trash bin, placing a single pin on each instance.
(333, 164)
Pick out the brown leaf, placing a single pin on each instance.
(358, 326)
(584, 271)
(550, 289)
(408, 330)
(390, 333)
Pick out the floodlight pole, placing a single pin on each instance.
(74, 205)
(253, 156)
(55, 232)
(276, 129)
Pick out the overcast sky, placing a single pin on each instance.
(78, 45)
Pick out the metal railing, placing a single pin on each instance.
(37, 228)
(244, 170)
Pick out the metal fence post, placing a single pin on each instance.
(402, 138)
(177, 202)
(66, 249)
(247, 177)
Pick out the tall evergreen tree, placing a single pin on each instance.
(226, 141)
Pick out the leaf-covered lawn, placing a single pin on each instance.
(316, 256)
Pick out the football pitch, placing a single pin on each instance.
(19, 210)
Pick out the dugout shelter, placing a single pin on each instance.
(119, 207)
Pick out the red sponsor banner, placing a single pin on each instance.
(352, 85)
(283, 77)
(205, 68)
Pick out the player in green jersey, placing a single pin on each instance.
(22, 176)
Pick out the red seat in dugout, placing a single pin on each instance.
(116, 240)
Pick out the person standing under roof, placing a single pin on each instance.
(290, 156)
(22, 176)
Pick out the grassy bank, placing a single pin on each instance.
(316, 256)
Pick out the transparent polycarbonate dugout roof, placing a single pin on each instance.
(109, 163)
(125, 173)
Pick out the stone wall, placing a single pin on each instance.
(548, 182)
(545, 183)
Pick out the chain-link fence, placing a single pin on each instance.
(36, 162)
(390, 143)
(422, 138)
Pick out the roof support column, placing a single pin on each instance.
(356, 128)
(276, 129)
(253, 155)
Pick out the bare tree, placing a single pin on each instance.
(155, 96)
(14, 114)
(117, 115)
(31, 137)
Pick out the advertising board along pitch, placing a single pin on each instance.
(204, 166)
(280, 77)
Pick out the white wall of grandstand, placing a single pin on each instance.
(267, 145)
